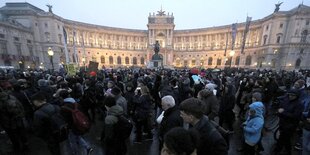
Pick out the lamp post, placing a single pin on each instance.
(231, 54)
(50, 53)
(83, 60)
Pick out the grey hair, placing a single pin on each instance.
(168, 100)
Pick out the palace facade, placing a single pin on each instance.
(278, 41)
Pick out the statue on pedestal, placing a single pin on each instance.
(156, 56)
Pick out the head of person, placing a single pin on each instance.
(111, 84)
(192, 110)
(256, 97)
(115, 91)
(109, 102)
(299, 84)
(167, 102)
(179, 141)
(204, 94)
(293, 94)
(38, 99)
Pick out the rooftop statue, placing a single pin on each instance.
(277, 7)
(50, 8)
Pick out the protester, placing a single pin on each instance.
(179, 141)
(171, 117)
(211, 140)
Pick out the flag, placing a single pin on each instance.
(74, 50)
(233, 35)
(247, 26)
(65, 45)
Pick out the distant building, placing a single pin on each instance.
(278, 41)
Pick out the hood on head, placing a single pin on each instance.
(258, 109)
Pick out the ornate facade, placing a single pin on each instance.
(278, 41)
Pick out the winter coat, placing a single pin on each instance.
(113, 145)
(170, 120)
(306, 112)
(121, 101)
(41, 120)
(289, 119)
(253, 125)
(212, 105)
(129, 96)
(144, 105)
(11, 112)
(210, 140)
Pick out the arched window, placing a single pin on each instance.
(210, 61)
(134, 60)
(102, 59)
(185, 63)
(304, 36)
(219, 61)
(127, 60)
(111, 60)
(142, 60)
(193, 62)
(265, 39)
(119, 60)
(298, 62)
(278, 39)
(279, 36)
(248, 60)
(202, 62)
(47, 36)
(237, 61)
(177, 62)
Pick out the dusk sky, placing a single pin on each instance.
(188, 14)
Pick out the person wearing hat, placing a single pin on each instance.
(289, 113)
(120, 100)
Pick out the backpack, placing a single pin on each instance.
(81, 123)
(59, 127)
(123, 127)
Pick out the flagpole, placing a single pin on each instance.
(247, 26)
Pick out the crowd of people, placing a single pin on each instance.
(190, 112)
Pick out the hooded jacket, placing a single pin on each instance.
(253, 125)
(113, 145)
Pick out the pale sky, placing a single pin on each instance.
(188, 14)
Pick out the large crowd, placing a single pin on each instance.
(189, 111)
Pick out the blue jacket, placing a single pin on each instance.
(253, 125)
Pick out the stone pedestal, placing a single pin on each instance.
(155, 64)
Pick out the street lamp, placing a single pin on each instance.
(231, 54)
(83, 60)
(50, 53)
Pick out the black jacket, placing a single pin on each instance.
(170, 120)
(41, 120)
(211, 141)
(289, 119)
